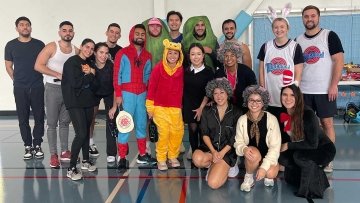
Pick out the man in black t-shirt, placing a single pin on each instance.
(20, 57)
(113, 34)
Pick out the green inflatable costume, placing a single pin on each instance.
(210, 39)
(155, 45)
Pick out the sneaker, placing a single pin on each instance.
(146, 159)
(189, 154)
(122, 164)
(93, 152)
(74, 174)
(54, 161)
(268, 182)
(174, 163)
(38, 153)
(110, 159)
(162, 166)
(182, 148)
(88, 165)
(233, 171)
(28, 153)
(65, 155)
(329, 168)
(248, 183)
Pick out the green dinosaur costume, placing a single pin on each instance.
(210, 39)
(154, 45)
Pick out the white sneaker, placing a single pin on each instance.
(110, 159)
(88, 165)
(189, 154)
(248, 183)
(73, 174)
(233, 171)
(268, 182)
(182, 148)
(329, 168)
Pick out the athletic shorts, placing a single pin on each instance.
(321, 105)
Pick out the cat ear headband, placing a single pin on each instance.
(284, 13)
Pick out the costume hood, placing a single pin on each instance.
(154, 45)
(210, 39)
(172, 46)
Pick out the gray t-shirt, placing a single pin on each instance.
(23, 55)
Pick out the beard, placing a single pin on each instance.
(311, 26)
(67, 38)
(139, 42)
(229, 38)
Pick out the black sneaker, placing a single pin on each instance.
(122, 164)
(38, 153)
(93, 152)
(146, 159)
(28, 153)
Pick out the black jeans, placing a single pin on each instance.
(111, 148)
(26, 98)
(81, 119)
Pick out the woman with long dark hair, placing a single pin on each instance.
(306, 150)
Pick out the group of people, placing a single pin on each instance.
(175, 78)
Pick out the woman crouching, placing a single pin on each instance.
(258, 139)
(218, 131)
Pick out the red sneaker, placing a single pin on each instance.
(65, 155)
(54, 161)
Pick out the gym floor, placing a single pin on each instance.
(34, 180)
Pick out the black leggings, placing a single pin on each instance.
(81, 119)
(194, 136)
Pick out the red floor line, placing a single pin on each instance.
(143, 177)
(182, 198)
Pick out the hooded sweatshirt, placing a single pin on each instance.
(131, 70)
(166, 83)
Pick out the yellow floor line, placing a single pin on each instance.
(121, 181)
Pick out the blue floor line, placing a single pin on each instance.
(143, 189)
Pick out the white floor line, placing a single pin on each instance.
(121, 181)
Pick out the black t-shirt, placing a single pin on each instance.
(298, 57)
(23, 55)
(113, 51)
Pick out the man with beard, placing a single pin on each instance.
(324, 61)
(174, 20)
(155, 34)
(50, 62)
(229, 30)
(132, 68)
(113, 34)
(197, 29)
(20, 56)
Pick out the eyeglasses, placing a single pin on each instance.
(252, 101)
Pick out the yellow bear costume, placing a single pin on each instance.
(164, 103)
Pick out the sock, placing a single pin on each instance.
(141, 146)
(91, 141)
(122, 148)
